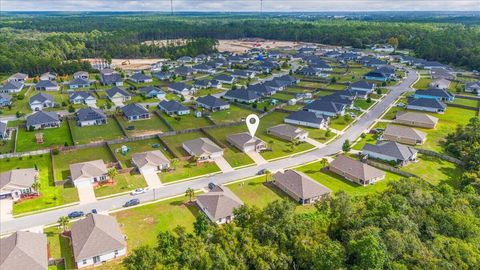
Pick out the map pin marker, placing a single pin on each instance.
(252, 124)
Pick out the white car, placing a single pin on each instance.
(138, 191)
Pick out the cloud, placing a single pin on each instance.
(239, 5)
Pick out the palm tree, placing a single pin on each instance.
(36, 187)
(324, 162)
(268, 175)
(63, 221)
(189, 193)
(112, 173)
(174, 163)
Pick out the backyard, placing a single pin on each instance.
(123, 183)
(143, 127)
(26, 140)
(89, 134)
(435, 170)
(136, 147)
(188, 121)
(233, 114)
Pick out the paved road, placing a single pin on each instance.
(179, 188)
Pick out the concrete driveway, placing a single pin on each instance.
(152, 179)
(223, 164)
(257, 158)
(6, 209)
(315, 143)
(86, 193)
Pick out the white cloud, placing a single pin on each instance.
(238, 5)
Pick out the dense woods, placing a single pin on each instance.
(57, 38)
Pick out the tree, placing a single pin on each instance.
(63, 221)
(142, 258)
(369, 100)
(112, 172)
(328, 132)
(333, 80)
(346, 146)
(268, 175)
(323, 162)
(378, 90)
(393, 41)
(36, 186)
(201, 224)
(190, 192)
(174, 163)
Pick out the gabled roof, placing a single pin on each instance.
(11, 85)
(18, 75)
(172, 106)
(356, 168)
(376, 74)
(434, 92)
(114, 90)
(212, 101)
(153, 158)
(24, 250)
(202, 146)
(223, 77)
(325, 106)
(305, 116)
(261, 89)
(184, 70)
(178, 86)
(42, 117)
(404, 132)
(300, 184)
(5, 96)
(96, 235)
(41, 97)
(201, 83)
(362, 85)
(46, 83)
(80, 73)
(391, 149)
(134, 109)
(427, 103)
(386, 70)
(287, 130)
(82, 94)
(18, 177)
(111, 77)
(87, 170)
(139, 77)
(79, 81)
(88, 114)
(472, 84)
(242, 139)
(203, 67)
(242, 94)
(219, 202)
(416, 117)
(149, 89)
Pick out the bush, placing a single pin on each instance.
(55, 151)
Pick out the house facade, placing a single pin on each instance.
(356, 171)
(90, 172)
(17, 183)
(300, 187)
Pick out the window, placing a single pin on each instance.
(84, 261)
(116, 252)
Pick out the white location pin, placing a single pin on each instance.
(252, 124)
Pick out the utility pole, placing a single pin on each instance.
(171, 7)
(261, 7)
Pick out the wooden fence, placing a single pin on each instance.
(441, 156)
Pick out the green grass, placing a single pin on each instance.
(423, 83)
(435, 170)
(123, 183)
(51, 137)
(136, 147)
(310, 84)
(50, 195)
(186, 121)
(186, 169)
(295, 107)
(339, 123)
(175, 142)
(466, 102)
(318, 134)
(7, 146)
(282, 96)
(363, 104)
(369, 138)
(234, 114)
(392, 112)
(63, 160)
(208, 91)
(60, 247)
(144, 127)
(337, 183)
(89, 134)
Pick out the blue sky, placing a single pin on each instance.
(239, 5)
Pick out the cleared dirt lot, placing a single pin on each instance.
(130, 64)
(242, 45)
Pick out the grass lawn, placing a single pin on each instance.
(339, 123)
(310, 84)
(208, 91)
(89, 134)
(337, 183)
(50, 195)
(123, 183)
(7, 146)
(363, 104)
(282, 96)
(136, 147)
(144, 127)
(435, 170)
(423, 83)
(295, 107)
(392, 112)
(466, 102)
(60, 247)
(369, 138)
(175, 142)
(51, 137)
(63, 160)
(186, 121)
(186, 169)
(234, 114)
(318, 134)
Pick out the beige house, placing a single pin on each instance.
(17, 183)
(288, 132)
(356, 171)
(218, 204)
(151, 161)
(300, 187)
(88, 172)
(24, 250)
(416, 119)
(405, 135)
(203, 148)
(246, 143)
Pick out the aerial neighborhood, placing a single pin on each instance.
(332, 118)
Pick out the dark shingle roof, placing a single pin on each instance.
(172, 106)
(179, 86)
(305, 116)
(46, 83)
(427, 103)
(41, 97)
(42, 117)
(82, 94)
(79, 81)
(434, 92)
(326, 106)
(134, 109)
(139, 77)
(211, 101)
(149, 89)
(362, 85)
(391, 149)
(111, 92)
(88, 114)
(242, 94)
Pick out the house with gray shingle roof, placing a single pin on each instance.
(435, 93)
(390, 151)
(162, 75)
(41, 120)
(48, 76)
(24, 250)
(402, 134)
(152, 92)
(5, 100)
(288, 132)
(204, 68)
(203, 149)
(83, 97)
(118, 95)
(201, 84)
(47, 85)
(300, 187)
(184, 71)
(244, 74)
(356, 171)
(171, 107)
(218, 204)
(427, 105)
(246, 143)
(18, 77)
(473, 87)
(97, 239)
(326, 107)
(139, 77)
(134, 112)
(150, 161)
(308, 119)
(262, 89)
(41, 101)
(88, 172)
(91, 117)
(81, 74)
(4, 134)
(11, 87)
(212, 103)
(181, 88)
(79, 82)
(363, 86)
(110, 77)
(223, 78)
(240, 95)
(17, 183)
(416, 119)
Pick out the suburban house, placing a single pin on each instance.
(376, 76)
(4, 133)
(276, 84)
(47, 85)
(90, 172)
(308, 119)
(215, 84)
(181, 88)
(41, 120)
(389, 71)
(83, 97)
(118, 95)
(140, 78)
(81, 75)
(134, 112)
(324, 107)
(415, 119)
(240, 95)
(185, 59)
(440, 84)
(426, 104)
(90, 117)
(48, 76)
(212, 103)
(406, 135)
(246, 143)
(201, 84)
(312, 72)
(218, 204)
(17, 183)
(96, 239)
(356, 171)
(173, 107)
(320, 65)
(473, 87)
(435, 93)
(41, 101)
(110, 77)
(150, 161)
(184, 71)
(11, 87)
(223, 78)
(288, 133)
(78, 83)
(24, 250)
(204, 68)
(390, 151)
(18, 77)
(5, 100)
(362, 86)
(203, 149)
(152, 92)
(262, 89)
(162, 75)
(243, 74)
(300, 187)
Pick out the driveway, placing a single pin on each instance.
(315, 143)
(6, 209)
(86, 193)
(223, 164)
(257, 158)
(152, 179)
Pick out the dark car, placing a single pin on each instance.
(76, 214)
(131, 202)
(94, 211)
(211, 185)
(262, 171)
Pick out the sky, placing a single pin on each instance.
(240, 5)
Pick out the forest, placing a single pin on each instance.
(28, 41)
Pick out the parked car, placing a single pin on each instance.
(211, 185)
(76, 214)
(262, 171)
(131, 202)
(94, 211)
(138, 191)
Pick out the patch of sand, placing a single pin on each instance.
(242, 45)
